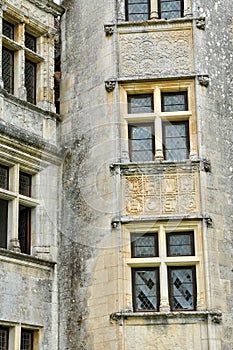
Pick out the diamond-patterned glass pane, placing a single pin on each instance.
(3, 338)
(182, 289)
(30, 42)
(138, 10)
(26, 340)
(146, 289)
(174, 102)
(140, 104)
(8, 70)
(141, 142)
(8, 29)
(180, 244)
(3, 177)
(171, 9)
(25, 184)
(144, 245)
(30, 81)
(176, 141)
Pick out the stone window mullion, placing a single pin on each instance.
(158, 125)
(164, 301)
(13, 213)
(154, 13)
(19, 66)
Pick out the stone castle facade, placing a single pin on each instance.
(116, 175)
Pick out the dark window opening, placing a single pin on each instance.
(3, 223)
(141, 142)
(145, 289)
(8, 70)
(25, 181)
(180, 244)
(8, 29)
(144, 245)
(30, 81)
(26, 340)
(4, 177)
(4, 335)
(137, 10)
(169, 9)
(176, 140)
(24, 229)
(182, 288)
(174, 101)
(140, 103)
(30, 42)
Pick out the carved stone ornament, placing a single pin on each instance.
(206, 165)
(209, 221)
(204, 80)
(200, 23)
(110, 85)
(216, 316)
(109, 30)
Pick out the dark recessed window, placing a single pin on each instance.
(3, 223)
(182, 288)
(141, 142)
(30, 42)
(176, 140)
(8, 29)
(140, 103)
(180, 244)
(174, 101)
(26, 340)
(144, 245)
(30, 81)
(137, 10)
(4, 176)
(24, 229)
(8, 69)
(169, 9)
(4, 335)
(25, 182)
(145, 289)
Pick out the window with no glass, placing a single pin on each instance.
(4, 335)
(137, 10)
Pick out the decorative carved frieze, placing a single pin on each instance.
(156, 53)
(161, 194)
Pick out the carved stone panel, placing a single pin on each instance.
(161, 194)
(156, 52)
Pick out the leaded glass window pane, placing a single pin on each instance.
(26, 340)
(30, 81)
(24, 229)
(140, 104)
(141, 142)
(145, 289)
(170, 9)
(176, 140)
(3, 223)
(174, 101)
(137, 10)
(182, 283)
(8, 29)
(4, 177)
(4, 338)
(180, 244)
(30, 42)
(144, 245)
(8, 70)
(25, 184)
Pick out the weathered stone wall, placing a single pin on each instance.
(214, 103)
